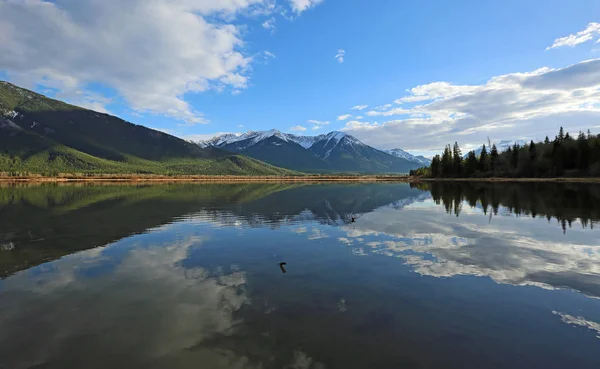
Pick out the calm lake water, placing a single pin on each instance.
(188, 276)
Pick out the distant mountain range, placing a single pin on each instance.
(501, 146)
(408, 156)
(332, 152)
(43, 135)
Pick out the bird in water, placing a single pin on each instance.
(281, 266)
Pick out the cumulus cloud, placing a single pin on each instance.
(383, 107)
(152, 53)
(527, 105)
(592, 31)
(355, 124)
(344, 117)
(387, 113)
(182, 307)
(318, 122)
(298, 128)
(519, 251)
(359, 107)
(579, 321)
(299, 6)
(269, 23)
(340, 55)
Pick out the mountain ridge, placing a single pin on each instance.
(335, 151)
(43, 135)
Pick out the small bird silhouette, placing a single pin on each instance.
(353, 219)
(281, 266)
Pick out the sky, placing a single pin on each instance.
(414, 75)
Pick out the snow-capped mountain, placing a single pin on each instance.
(332, 152)
(408, 156)
(501, 146)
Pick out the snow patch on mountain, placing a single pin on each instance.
(327, 142)
(408, 156)
(501, 146)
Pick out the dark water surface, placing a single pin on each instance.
(188, 276)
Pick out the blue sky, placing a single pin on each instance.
(195, 68)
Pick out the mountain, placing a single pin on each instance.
(332, 152)
(408, 156)
(501, 146)
(43, 135)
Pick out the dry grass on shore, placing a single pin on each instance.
(134, 178)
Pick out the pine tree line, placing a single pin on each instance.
(564, 156)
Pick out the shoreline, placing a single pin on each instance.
(504, 179)
(271, 179)
(201, 179)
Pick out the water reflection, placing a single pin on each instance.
(185, 276)
(566, 202)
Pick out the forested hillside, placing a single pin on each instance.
(46, 136)
(564, 156)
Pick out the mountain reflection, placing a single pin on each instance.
(188, 276)
(44, 222)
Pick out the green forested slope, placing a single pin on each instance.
(42, 135)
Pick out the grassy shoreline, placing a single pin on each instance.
(200, 178)
(504, 179)
(232, 179)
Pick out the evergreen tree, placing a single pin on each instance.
(435, 166)
(494, 157)
(457, 160)
(568, 137)
(583, 153)
(561, 135)
(483, 160)
(514, 158)
(471, 165)
(547, 140)
(447, 162)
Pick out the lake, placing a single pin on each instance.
(441, 275)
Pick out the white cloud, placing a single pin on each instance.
(270, 54)
(269, 23)
(592, 31)
(191, 309)
(383, 107)
(525, 250)
(354, 124)
(240, 126)
(340, 55)
(359, 117)
(579, 321)
(395, 111)
(151, 52)
(359, 107)
(318, 122)
(410, 99)
(299, 6)
(344, 117)
(513, 106)
(298, 128)
(316, 128)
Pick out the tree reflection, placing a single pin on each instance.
(566, 202)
